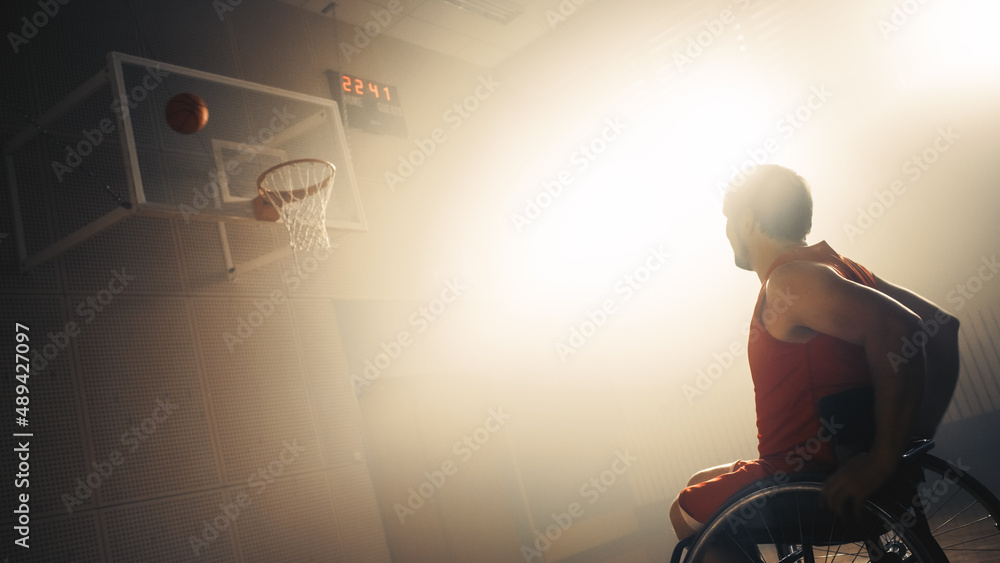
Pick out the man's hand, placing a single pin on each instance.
(855, 481)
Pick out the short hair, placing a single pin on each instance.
(779, 198)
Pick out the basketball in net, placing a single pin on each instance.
(297, 192)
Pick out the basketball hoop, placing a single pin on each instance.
(297, 192)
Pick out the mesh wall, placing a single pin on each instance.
(187, 33)
(140, 247)
(357, 515)
(287, 60)
(254, 380)
(16, 69)
(173, 529)
(977, 392)
(64, 538)
(324, 366)
(144, 399)
(290, 518)
(73, 45)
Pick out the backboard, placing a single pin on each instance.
(212, 174)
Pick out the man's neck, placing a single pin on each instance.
(767, 251)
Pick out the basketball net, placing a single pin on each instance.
(299, 190)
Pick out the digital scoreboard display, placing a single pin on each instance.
(368, 105)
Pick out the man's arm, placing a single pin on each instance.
(829, 304)
(941, 355)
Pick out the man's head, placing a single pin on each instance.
(773, 200)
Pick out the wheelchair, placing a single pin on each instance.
(931, 511)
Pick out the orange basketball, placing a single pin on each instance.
(186, 113)
(264, 211)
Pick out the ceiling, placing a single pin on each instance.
(461, 32)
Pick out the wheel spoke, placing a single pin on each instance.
(740, 546)
(829, 539)
(838, 553)
(968, 524)
(860, 547)
(793, 556)
(973, 503)
(942, 504)
(969, 541)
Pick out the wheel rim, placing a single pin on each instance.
(961, 513)
(790, 523)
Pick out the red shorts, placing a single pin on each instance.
(699, 502)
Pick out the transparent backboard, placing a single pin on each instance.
(212, 174)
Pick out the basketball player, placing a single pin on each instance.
(823, 324)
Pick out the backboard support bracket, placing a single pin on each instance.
(235, 270)
(27, 260)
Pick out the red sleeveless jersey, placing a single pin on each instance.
(790, 378)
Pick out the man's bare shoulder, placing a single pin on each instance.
(796, 283)
(803, 276)
(826, 303)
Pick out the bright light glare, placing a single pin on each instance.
(957, 41)
(655, 186)
(713, 121)
(968, 38)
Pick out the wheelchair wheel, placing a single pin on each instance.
(787, 522)
(961, 513)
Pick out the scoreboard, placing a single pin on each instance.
(368, 105)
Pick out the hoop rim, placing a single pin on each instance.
(261, 190)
